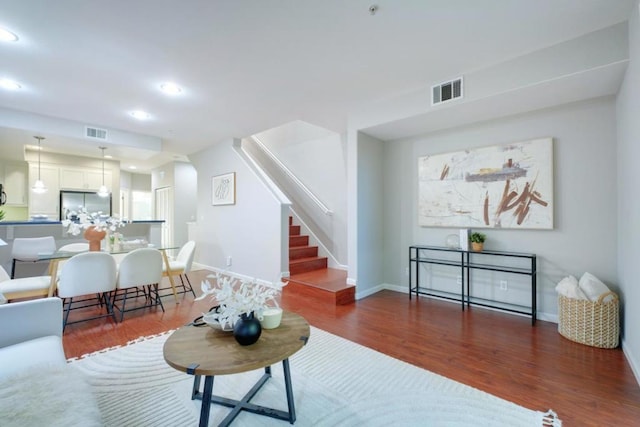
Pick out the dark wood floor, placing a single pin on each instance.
(496, 352)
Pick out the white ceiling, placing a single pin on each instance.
(251, 65)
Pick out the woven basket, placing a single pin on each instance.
(594, 323)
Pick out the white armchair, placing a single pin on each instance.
(37, 387)
(31, 335)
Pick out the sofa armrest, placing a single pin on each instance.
(27, 320)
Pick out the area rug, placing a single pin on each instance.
(335, 382)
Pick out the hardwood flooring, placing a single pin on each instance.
(499, 353)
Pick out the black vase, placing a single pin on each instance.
(247, 329)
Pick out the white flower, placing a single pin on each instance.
(96, 219)
(237, 297)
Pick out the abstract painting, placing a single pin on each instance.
(224, 189)
(502, 186)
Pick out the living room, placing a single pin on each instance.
(580, 89)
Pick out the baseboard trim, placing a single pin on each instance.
(631, 360)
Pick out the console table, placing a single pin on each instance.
(466, 262)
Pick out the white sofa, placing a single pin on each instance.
(37, 387)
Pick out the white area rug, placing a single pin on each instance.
(335, 382)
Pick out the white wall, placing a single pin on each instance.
(628, 115)
(319, 163)
(185, 200)
(370, 223)
(584, 233)
(250, 231)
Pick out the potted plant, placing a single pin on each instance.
(477, 241)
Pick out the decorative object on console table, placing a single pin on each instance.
(241, 301)
(223, 188)
(453, 241)
(464, 239)
(477, 241)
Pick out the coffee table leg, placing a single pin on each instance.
(287, 383)
(196, 387)
(206, 401)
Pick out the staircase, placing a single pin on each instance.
(309, 274)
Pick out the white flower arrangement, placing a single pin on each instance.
(96, 219)
(237, 297)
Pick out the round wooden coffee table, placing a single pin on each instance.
(207, 351)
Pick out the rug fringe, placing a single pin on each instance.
(550, 419)
(108, 349)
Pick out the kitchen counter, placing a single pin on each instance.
(52, 222)
(150, 230)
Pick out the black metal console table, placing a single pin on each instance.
(467, 261)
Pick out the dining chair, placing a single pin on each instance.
(180, 266)
(26, 287)
(85, 275)
(74, 247)
(140, 268)
(27, 249)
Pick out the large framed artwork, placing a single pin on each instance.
(224, 189)
(502, 186)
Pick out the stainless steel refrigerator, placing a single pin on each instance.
(77, 201)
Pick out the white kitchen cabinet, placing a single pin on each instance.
(15, 184)
(46, 203)
(83, 179)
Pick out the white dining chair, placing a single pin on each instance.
(26, 287)
(180, 266)
(86, 275)
(140, 268)
(28, 249)
(75, 247)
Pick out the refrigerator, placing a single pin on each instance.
(76, 201)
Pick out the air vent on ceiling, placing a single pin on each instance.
(446, 91)
(95, 133)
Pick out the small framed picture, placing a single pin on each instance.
(223, 189)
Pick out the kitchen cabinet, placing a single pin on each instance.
(83, 179)
(15, 184)
(45, 203)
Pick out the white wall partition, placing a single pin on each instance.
(245, 235)
(628, 233)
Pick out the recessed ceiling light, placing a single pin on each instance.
(7, 36)
(132, 167)
(140, 115)
(9, 84)
(170, 88)
(108, 156)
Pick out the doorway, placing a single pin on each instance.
(164, 211)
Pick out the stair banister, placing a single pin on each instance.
(291, 175)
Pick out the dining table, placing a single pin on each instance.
(56, 257)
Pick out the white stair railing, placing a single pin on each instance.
(292, 176)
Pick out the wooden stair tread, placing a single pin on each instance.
(331, 279)
(305, 259)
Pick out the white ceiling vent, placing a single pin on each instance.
(95, 133)
(446, 91)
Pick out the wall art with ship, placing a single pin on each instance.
(502, 186)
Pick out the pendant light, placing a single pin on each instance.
(38, 186)
(103, 191)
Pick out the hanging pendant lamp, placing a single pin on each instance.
(38, 186)
(103, 191)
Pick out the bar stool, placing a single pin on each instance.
(26, 249)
